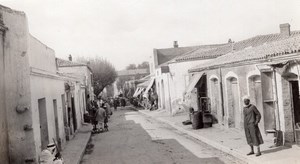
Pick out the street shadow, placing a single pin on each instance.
(273, 150)
(128, 142)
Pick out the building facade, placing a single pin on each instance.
(171, 73)
(32, 91)
(267, 72)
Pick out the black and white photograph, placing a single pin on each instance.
(149, 82)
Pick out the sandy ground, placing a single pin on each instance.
(134, 138)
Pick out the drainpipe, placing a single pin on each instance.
(221, 91)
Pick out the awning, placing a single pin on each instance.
(137, 89)
(150, 85)
(140, 90)
(193, 82)
(144, 84)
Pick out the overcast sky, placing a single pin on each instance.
(126, 31)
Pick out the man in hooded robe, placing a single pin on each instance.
(48, 155)
(251, 120)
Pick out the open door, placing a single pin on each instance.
(296, 109)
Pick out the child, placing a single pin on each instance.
(106, 116)
(105, 124)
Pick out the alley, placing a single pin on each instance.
(134, 138)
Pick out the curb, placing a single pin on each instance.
(76, 151)
(82, 153)
(212, 143)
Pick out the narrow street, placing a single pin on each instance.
(137, 139)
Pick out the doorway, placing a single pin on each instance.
(201, 86)
(296, 108)
(63, 105)
(74, 114)
(233, 103)
(215, 100)
(56, 123)
(255, 92)
(43, 123)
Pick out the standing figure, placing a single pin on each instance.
(251, 120)
(100, 116)
(115, 104)
(94, 114)
(107, 114)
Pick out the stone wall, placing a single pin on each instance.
(275, 87)
(241, 73)
(28, 74)
(17, 92)
(50, 89)
(41, 56)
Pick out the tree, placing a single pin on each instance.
(104, 73)
(143, 65)
(131, 66)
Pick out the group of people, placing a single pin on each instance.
(99, 111)
(117, 101)
(147, 100)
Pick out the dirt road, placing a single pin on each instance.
(134, 138)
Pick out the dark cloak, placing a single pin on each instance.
(251, 120)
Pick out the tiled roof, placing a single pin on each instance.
(167, 54)
(67, 63)
(204, 53)
(219, 51)
(132, 72)
(253, 54)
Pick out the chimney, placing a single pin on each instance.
(231, 42)
(70, 57)
(175, 44)
(285, 29)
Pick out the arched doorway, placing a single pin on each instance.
(233, 103)
(255, 92)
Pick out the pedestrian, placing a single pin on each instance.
(108, 109)
(89, 108)
(108, 112)
(115, 103)
(155, 97)
(251, 120)
(123, 102)
(94, 115)
(100, 116)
